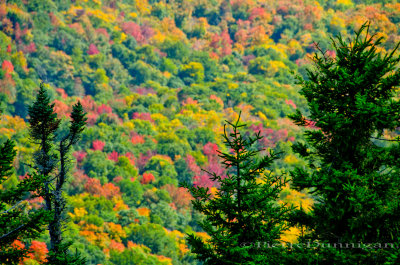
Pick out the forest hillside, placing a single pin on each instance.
(157, 80)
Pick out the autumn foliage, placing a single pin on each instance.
(158, 80)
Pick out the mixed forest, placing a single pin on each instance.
(141, 91)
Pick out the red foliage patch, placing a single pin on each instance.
(140, 33)
(103, 32)
(79, 155)
(134, 30)
(290, 103)
(93, 50)
(30, 48)
(257, 12)
(191, 164)
(91, 118)
(98, 145)
(113, 156)
(203, 181)
(88, 104)
(145, 116)
(210, 149)
(8, 67)
(131, 158)
(214, 166)
(104, 109)
(270, 136)
(147, 178)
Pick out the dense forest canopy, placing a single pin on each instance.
(157, 80)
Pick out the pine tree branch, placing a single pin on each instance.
(12, 207)
(12, 232)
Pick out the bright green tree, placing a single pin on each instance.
(353, 169)
(243, 217)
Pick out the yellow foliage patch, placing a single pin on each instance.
(346, 3)
(108, 18)
(291, 235)
(78, 214)
(143, 7)
(298, 199)
(290, 159)
(10, 125)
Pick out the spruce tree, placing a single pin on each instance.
(243, 218)
(353, 170)
(43, 124)
(18, 220)
(52, 163)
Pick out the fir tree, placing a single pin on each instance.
(43, 128)
(43, 124)
(243, 217)
(18, 221)
(353, 169)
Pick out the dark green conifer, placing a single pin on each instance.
(18, 221)
(353, 172)
(43, 128)
(243, 219)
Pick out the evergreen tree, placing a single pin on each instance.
(18, 221)
(353, 169)
(43, 124)
(43, 128)
(243, 217)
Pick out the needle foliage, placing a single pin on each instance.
(353, 170)
(242, 218)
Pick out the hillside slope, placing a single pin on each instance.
(158, 79)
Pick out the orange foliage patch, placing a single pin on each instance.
(137, 139)
(18, 244)
(114, 245)
(62, 93)
(180, 196)
(143, 211)
(7, 66)
(39, 251)
(108, 190)
(61, 108)
(116, 231)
